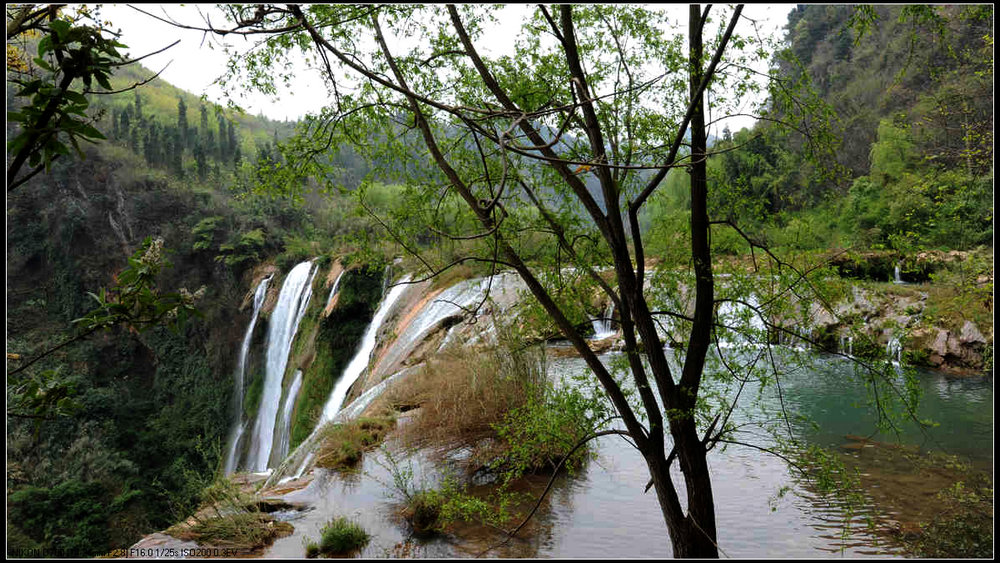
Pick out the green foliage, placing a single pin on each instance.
(431, 510)
(339, 537)
(135, 302)
(544, 430)
(342, 445)
(893, 153)
(56, 113)
(205, 232)
(964, 528)
(244, 248)
(908, 87)
(42, 396)
(917, 212)
(70, 519)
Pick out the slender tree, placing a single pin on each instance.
(182, 122)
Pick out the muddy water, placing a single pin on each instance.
(603, 512)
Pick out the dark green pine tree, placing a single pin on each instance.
(182, 123)
(223, 146)
(177, 160)
(201, 160)
(138, 106)
(149, 144)
(206, 138)
(233, 144)
(169, 147)
(133, 140)
(125, 125)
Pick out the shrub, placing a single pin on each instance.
(339, 537)
(542, 431)
(246, 530)
(423, 511)
(965, 527)
(342, 445)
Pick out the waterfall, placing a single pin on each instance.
(360, 361)
(292, 303)
(350, 412)
(894, 350)
(743, 320)
(896, 276)
(239, 425)
(448, 303)
(333, 290)
(847, 343)
(284, 430)
(603, 328)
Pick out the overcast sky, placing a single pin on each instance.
(194, 64)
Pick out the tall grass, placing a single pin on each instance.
(230, 517)
(342, 445)
(340, 536)
(463, 392)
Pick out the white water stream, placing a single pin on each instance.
(284, 322)
(239, 425)
(360, 361)
(283, 432)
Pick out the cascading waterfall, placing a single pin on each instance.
(847, 344)
(291, 306)
(896, 277)
(239, 425)
(283, 432)
(334, 289)
(448, 303)
(360, 361)
(744, 319)
(603, 328)
(894, 350)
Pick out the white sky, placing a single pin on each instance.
(195, 64)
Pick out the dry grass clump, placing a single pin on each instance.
(342, 445)
(230, 517)
(463, 392)
(239, 530)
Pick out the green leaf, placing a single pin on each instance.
(76, 97)
(60, 29)
(30, 88)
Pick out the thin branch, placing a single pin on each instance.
(133, 86)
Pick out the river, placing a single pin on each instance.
(602, 512)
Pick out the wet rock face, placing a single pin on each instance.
(889, 318)
(970, 335)
(960, 352)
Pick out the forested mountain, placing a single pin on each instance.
(116, 432)
(908, 92)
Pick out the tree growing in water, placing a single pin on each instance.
(542, 161)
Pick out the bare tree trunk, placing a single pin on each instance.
(692, 534)
(696, 536)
